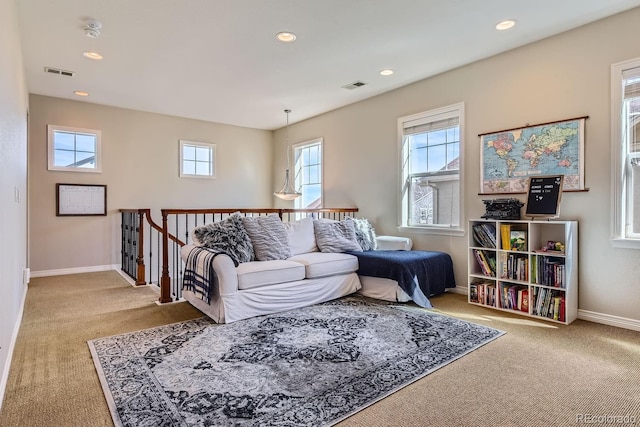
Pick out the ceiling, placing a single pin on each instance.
(219, 60)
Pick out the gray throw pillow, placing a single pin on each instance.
(227, 236)
(365, 234)
(334, 236)
(268, 236)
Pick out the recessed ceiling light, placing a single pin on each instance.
(506, 24)
(81, 93)
(92, 55)
(286, 37)
(386, 72)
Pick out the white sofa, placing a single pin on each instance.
(307, 277)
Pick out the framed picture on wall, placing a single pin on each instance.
(81, 200)
(508, 158)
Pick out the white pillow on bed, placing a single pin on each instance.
(302, 238)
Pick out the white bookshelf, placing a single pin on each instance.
(528, 280)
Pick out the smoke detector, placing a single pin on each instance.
(92, 29)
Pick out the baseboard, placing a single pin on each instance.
(458, 290)
(590, 316)
(14, 337)
(607, 319)
(77, 270)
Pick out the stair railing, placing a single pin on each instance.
(175, 232)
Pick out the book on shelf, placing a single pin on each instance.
(523, 302)
(514, 266)
(482, 292)
(549, 271)
(486, 262)
(556, 308)
(484, 234)
(473, 292)
(549, 303)
(505, 236)
(511, 296)
(518, 240)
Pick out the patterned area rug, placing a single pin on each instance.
(307, 367)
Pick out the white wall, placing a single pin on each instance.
(558, 78)
(141, 170)
(13, 181)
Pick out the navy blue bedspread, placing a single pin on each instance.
(419, 273)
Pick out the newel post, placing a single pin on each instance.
(165, 280)
(140, 276)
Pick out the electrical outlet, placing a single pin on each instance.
(16, 194)
(26, 276)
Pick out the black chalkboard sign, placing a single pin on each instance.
(543, 198)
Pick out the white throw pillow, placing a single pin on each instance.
(302, 238)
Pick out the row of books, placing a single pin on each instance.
(549, 303)
(514, 266)
(514, 297)
(512, 239)
(548, 271)
(486, 261)
(484, 234)
(483, 293)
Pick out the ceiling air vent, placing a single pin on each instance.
(354, 85)
(59, 71)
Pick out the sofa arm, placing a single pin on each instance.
(393, 243)
(226, 276)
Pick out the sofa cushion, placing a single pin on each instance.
(263, 273)
(365, 233)
(302, 238)
(268, 236)
(227, 236)
(320, 264)
(334, 236)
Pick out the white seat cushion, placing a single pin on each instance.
(321, 264)
(255, 274)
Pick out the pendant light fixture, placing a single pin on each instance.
(287, 192)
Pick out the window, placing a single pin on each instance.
(197, 160)
(625, 137)
(73, 149)
(308, 173)
(430, 145)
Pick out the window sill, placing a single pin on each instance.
(625, 243)
(444, 231)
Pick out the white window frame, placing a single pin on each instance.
(297, 177)
(403, 193)
(621, 161)
(51, 131)
(212, 159)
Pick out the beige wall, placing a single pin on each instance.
(13, 182)
(558, 78)
(140, 168)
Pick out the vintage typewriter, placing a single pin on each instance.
(502, 209)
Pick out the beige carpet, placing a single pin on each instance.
(538, 374)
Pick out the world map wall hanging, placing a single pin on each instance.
(509, 157)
